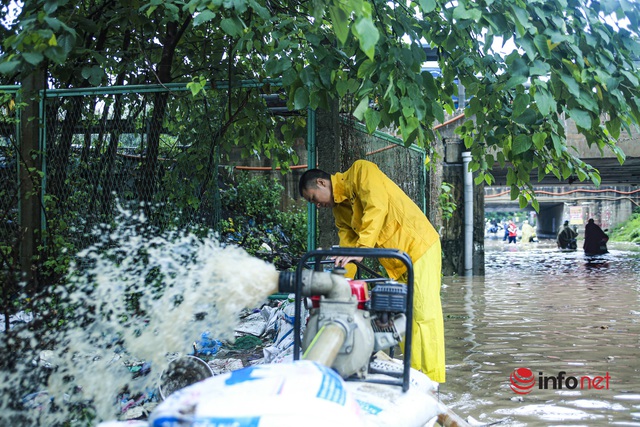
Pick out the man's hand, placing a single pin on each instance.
(342, 261)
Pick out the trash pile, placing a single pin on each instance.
(263, 336)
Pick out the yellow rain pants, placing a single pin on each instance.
(427, 337)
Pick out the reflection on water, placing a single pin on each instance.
(547, 311)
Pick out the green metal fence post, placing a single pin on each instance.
(311, 163)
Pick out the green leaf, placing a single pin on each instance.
(54, 23)
(528, 47)
(544, 101)
(539, 68)
(515, 191)
(542, 45)
(56, 54)
(340, 22)
(520, 104)
(438, 112)
(9, 67)
(517, 65)
(535, 204)
(521, 15)
(521, 143)
(33, 58)
(361, 108)
(528, 117)
(342, 87)
(582, 118)
(571, 83)
(408, 127)
(632, 77)
(232, 26)
(588, 101)
(366, 68)
(204, 16)
(372, 119)
(367, 36)
(557, 144)
(522, 201)
(427, 5)
(539, 139)
(301, 98)
(613, 126)
(514, 81)
(262, 11)
(461, 13)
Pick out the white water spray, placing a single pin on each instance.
(142, 298)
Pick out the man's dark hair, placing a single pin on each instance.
(308, 179)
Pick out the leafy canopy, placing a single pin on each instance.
(574, 60)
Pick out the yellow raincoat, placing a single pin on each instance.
(372, 211)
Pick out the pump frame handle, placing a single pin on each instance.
(358, 252)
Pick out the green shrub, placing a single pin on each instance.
(252, 219)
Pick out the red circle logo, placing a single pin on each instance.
(522, 380)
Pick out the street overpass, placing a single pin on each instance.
(609, 204)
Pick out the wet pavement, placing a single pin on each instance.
(555, 314)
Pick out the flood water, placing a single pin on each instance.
(547, 311)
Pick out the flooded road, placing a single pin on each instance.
(559, 315)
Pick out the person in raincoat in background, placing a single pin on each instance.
(371, 211)
(528, 233)
(567, 237)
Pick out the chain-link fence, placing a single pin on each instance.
(158, 149)
(9, 195)
(404, 165)
(155, 149)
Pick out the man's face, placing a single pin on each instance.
(321, 195)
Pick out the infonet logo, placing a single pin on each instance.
(522, 381)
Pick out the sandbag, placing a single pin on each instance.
(300, 393)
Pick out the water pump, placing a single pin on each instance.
(348, 323)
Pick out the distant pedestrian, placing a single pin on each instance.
(528, 233)
(513, 232)
(506, 231)
(567, 237)
(595, 240)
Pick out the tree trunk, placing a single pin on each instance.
(147, 184)
(329, 160)
(58, 158)
(30, 190)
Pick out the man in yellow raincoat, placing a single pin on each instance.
(371, 211)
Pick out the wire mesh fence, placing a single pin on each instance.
(9, 196)
(117, 148)
(404, 165)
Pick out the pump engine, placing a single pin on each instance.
(347, 322)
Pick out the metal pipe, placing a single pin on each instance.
(326, 344)
(468, 214)
(333, 285)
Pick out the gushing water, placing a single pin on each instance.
(132, 296)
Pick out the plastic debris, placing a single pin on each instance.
(222, 366)
(206, 345)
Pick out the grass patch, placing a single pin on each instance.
(628, 231)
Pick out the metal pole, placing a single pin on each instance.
(312, 214)
(468, 214)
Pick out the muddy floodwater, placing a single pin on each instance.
(555, 314)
